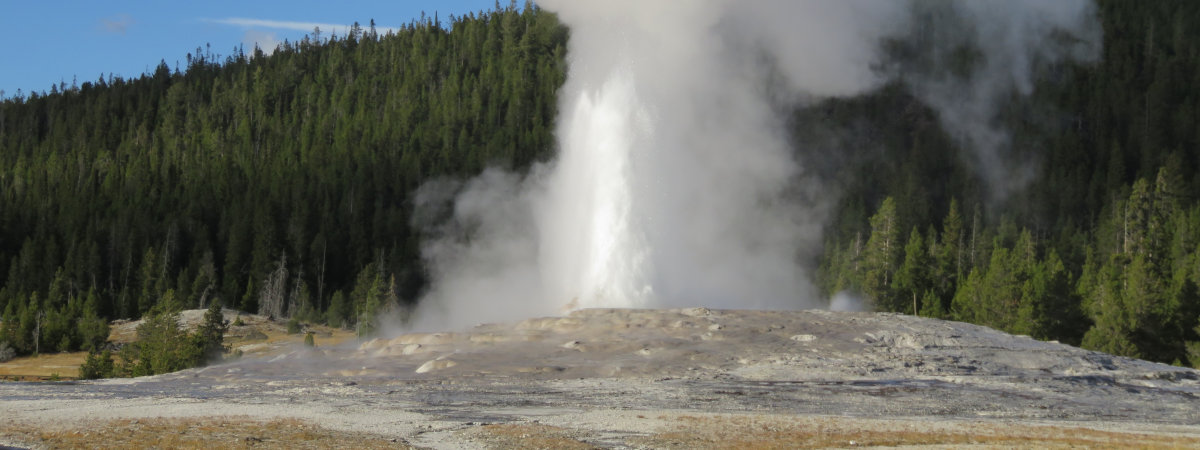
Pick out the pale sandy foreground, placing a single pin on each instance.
(689, 378)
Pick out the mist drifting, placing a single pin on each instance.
(675, 183)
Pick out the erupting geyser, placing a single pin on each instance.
(675, 183)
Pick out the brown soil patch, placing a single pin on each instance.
(43, 367)
(266, 339)
(759, 432)
(198, 433)
(529, 436)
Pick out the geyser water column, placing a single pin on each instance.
(675, 184)
(646, 206)
(592, 252)
(658, 196)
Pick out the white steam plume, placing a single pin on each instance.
(266, 41)
(675, 184)
(973, 54)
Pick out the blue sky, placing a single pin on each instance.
(48, 41)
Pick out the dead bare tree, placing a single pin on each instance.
(273, 294)
(37, 333)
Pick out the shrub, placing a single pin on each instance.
(293, 326)
(7, 353)
(161, 346)
(210, 336)
(93, 332)
(238, 321)
(309, 340)
(97, 365)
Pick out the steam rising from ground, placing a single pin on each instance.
(675, 184)
(971, 55)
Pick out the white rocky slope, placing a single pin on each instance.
(563, 370)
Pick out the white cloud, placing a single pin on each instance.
(117, 24)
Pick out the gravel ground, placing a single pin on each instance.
(691, 378)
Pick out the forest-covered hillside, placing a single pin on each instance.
(283, 183)
(277, 184)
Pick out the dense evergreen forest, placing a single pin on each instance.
(282, 184)
(277, 184)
